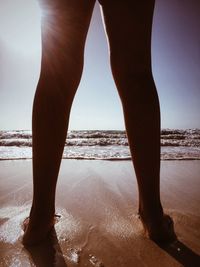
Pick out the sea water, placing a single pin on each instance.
(107, 145)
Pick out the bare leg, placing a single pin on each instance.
(64, 29)
(128, 25)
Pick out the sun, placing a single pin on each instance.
(20, 26)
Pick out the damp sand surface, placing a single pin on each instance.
(99, 227)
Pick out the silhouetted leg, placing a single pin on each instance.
(128, 25)
(64, 29)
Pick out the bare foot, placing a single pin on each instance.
(160, 230)
(35, 231)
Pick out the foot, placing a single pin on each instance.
(37, 228)
(159, 229)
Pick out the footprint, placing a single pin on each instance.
(95, 261)
(73, 255)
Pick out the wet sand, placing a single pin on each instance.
(99, 227)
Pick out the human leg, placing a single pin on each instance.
(64, 28)
(129, 25)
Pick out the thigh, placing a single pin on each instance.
(64, 28)
(128, 25)
(65, 24)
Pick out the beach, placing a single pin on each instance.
(99, 226)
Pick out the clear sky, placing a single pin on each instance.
(176, 68)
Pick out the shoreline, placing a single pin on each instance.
(102, 159)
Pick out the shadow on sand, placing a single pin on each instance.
(48, 253)
(182, 254)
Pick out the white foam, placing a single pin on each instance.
(67, 227)
(73, 255)
(10, 230)
(176, 145)
(122, 227)
(12, 218)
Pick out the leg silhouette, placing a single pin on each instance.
(129, 25)
(64, 30)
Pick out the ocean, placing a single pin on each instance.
(105, 145)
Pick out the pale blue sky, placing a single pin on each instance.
(176, 68)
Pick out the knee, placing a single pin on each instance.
(130, 72)
(133, 78)
(130, 64)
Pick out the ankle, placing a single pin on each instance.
(42, 211)
(151, 213)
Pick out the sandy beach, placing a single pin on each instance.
(97, 201)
